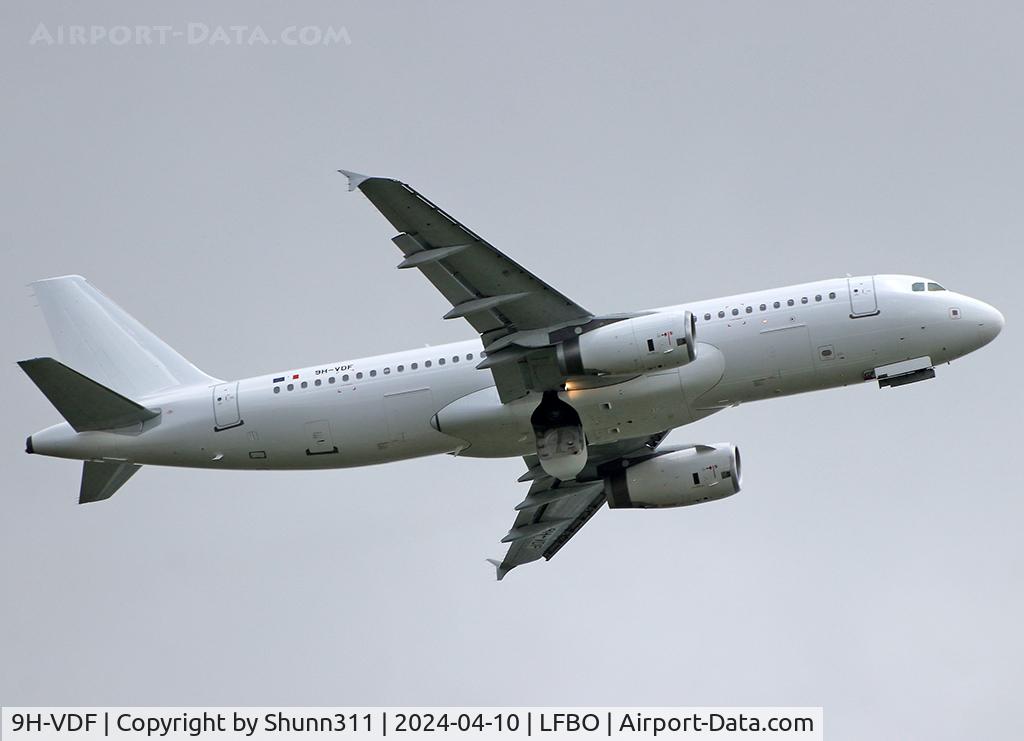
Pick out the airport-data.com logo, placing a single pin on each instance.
(189, 34)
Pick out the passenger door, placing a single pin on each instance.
(225, 406)
(862, 296)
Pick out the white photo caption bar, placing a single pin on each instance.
(411, 723)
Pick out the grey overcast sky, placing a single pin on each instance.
(633, 155)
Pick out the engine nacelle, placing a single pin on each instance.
(638, 345)
(677, 478)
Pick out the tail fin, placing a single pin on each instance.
(85, 404)
(100, 339)
(101, 480)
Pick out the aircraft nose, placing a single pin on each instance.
(991, 324)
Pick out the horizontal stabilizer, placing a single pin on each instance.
(101, 480)
(85, 404)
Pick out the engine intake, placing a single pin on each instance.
(677, 478)
(638, 345)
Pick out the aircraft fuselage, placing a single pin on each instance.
(434, 400)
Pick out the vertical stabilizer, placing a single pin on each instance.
(101, 340)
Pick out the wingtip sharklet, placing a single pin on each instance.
(355, 179)
(499, 572)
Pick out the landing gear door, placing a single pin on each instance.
(225, 406)
(862, 296)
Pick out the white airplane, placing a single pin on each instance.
(586, 399)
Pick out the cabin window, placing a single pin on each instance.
(735, 312)
(345, 377)
(440, 361)
(414, 366)
(763, 307)
(277, 389)
(469, 356)
(918, 286)
(803, 300)
(305, 384)
(426, 364)
(776, 305)
(832, 295)
(455, 358)
(359, 375)
(721, 315)
(707, 317)
(790, 302)
(387, 371)
(318, 382)
(373, 373)
(483, 354)
(400, 368)
(818, 297)
(291, 386)
(750, 309)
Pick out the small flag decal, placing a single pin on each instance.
(295, 377)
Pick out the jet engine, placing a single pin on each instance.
(677, 478)
(644, 343)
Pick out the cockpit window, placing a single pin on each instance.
(918, 286)
(935, 287)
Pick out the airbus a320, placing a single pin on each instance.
(585, 399)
